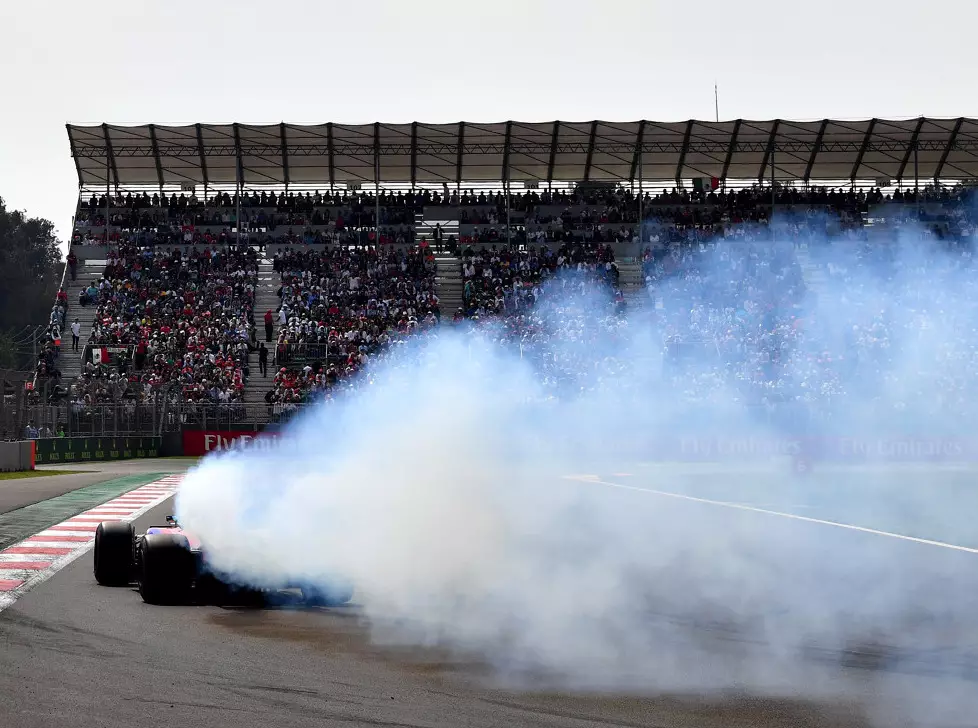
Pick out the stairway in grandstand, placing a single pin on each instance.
(69, 362)
(448, 268)
(632, 283)
(266, 299)
(448, 285)
(424, 229)
(813, 274)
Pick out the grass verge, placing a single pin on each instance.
(37, 474)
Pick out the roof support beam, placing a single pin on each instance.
(237, 153)
(285, 154)
(769, 151)
(460, 154)
(414, 153)
(862, 151)
(639, 141)
(815, 150)
(201, 155)
(590, 151)
(377, 156)
(910, 149)
(682, 153)
(329, 153)
(947, 150)
(730, 150)
(509, 135)
(108, 151)
(74, 155)
(156, 155)
(554, 136)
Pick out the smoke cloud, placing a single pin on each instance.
(439, 485)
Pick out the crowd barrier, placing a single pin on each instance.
(16, 456)
(56, 450)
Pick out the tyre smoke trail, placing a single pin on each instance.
(437, 487)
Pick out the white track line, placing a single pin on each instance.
(765, 511)
(123, 508)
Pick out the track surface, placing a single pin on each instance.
(73, 651)
(71, 648)
(22, 492)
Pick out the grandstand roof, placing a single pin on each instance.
(420, 153)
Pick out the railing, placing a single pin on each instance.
(301, 353)
(161, 418)
(115, 352)
(152, 418)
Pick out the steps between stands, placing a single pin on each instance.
(448, 285)
(448, 268)
(632, 283)
(813, 274)
(266, 298)
(70, 362)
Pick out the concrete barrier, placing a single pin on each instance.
(16, 456)
(56, 450)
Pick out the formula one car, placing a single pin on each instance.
(169, 567)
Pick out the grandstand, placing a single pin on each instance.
(354, 236)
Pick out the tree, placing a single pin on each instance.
(30, 273)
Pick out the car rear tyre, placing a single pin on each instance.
(166, 569)
(113, 553)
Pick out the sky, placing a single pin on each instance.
(442, 61)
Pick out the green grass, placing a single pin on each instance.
(38, 474)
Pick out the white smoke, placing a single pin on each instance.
(439, 490)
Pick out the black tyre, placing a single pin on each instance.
(113, 553)
(166, 569)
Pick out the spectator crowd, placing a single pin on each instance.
(169, 322)
(343, 307)
(729, 290)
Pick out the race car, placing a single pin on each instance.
(169, 566)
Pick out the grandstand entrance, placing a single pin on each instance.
(435, 232)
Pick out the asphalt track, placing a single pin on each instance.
(72, 652)
(17, 493)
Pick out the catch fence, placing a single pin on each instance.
(132, 419)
